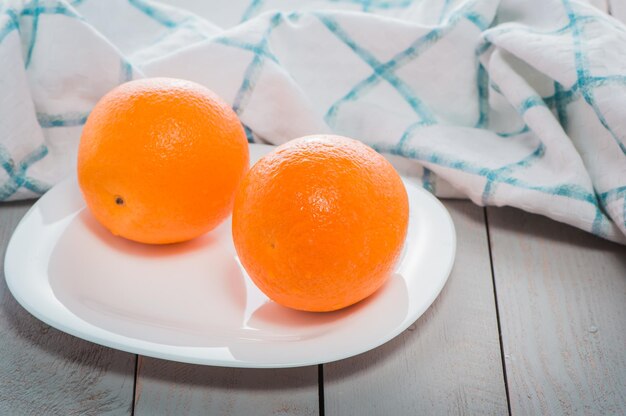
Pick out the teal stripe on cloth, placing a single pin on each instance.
(33, 34)
(62, 120)
(522, 130)
(530, 102)
(501, 175)
(17, 174)
(428, 181)
(381, 71)
(496, 175)
(126, 71)
(613, 195)
(561, 108)
(249, 134)
(253, 71)
(482, 80)
(59, 8)
(582, 73)
(252, 9)
(161, 17)
(408, 132)
(368, 5)
(9, 25)
(385, 71)
(427, 154)
(31, 9)
(252, 47)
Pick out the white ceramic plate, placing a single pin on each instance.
(193, 302)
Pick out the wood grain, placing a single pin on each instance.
(46, 372)
(449, 361)
(562, 302)
(169, 388)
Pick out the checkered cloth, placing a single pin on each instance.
(519, 103)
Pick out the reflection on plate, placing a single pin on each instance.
(193, 302)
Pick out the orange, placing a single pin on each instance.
(160, 159)
(319, 223)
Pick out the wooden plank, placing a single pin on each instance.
(562, 301)
(46, 372)
(449, 361)
(170, 388)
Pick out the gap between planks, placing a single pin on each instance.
(320, 392)
(495, 298)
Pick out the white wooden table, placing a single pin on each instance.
(531, 322)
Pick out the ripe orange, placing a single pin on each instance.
(160, 159)
(320, 222)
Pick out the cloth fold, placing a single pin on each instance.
(503, 102)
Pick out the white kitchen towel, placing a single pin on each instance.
(519, 103)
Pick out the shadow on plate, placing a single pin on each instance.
(278, 332)
(189, 294)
